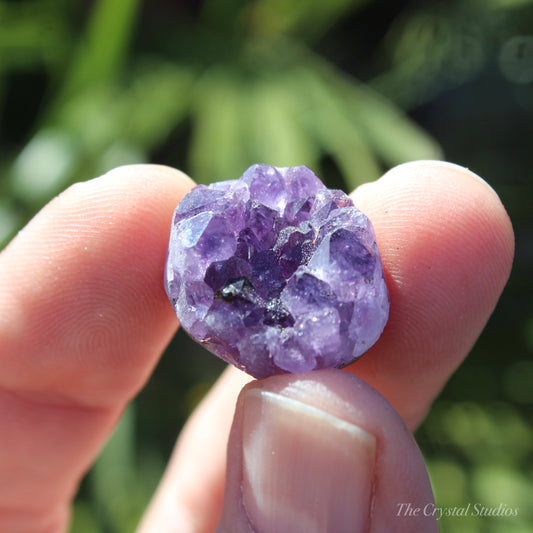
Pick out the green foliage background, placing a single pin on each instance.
(348, 87)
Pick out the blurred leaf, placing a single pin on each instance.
(479, 454)
(277, 135)
(307, 18)
(158, 99)
(509, 4)
(494, 485)
(9, 222)
(111, 470)
(395, 137)
(433, 49)
(449, 482)
(387, 128)
(32, 32)
(496, 432)
(119, 153)
(141, 114)
(113, 477)
(102, 128)
(224, 14)
(338, 134)
(44, 166)
(102, 49)
(528, 333)
(218, 149)
(517, 380)
(84, 519)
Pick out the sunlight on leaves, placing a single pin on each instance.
(218, 144)
(102, 49)
(450, 482)
(339, 135)
(45, 165)
(276, 132)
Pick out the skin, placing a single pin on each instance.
(74, 351)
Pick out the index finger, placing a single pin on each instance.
(83, 320)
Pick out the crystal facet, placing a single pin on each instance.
(275, 273)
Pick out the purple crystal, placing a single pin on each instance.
(275, 273)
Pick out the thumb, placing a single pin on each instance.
(322, 452)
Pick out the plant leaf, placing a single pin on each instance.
(386, 127)
(307, 18)
(217, 149)
(338, 134)
(277, 135)
(104, 46)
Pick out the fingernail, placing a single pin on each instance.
(303, 468)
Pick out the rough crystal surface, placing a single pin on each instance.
(275, 273)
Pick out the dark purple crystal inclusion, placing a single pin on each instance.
(275, 273)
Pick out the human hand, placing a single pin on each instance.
(84, 318)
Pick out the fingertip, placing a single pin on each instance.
(97, 258)
(433, 166)
(451, 207)
(435, 209)
(144, 171)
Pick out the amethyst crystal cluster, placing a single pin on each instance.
(275, 273)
